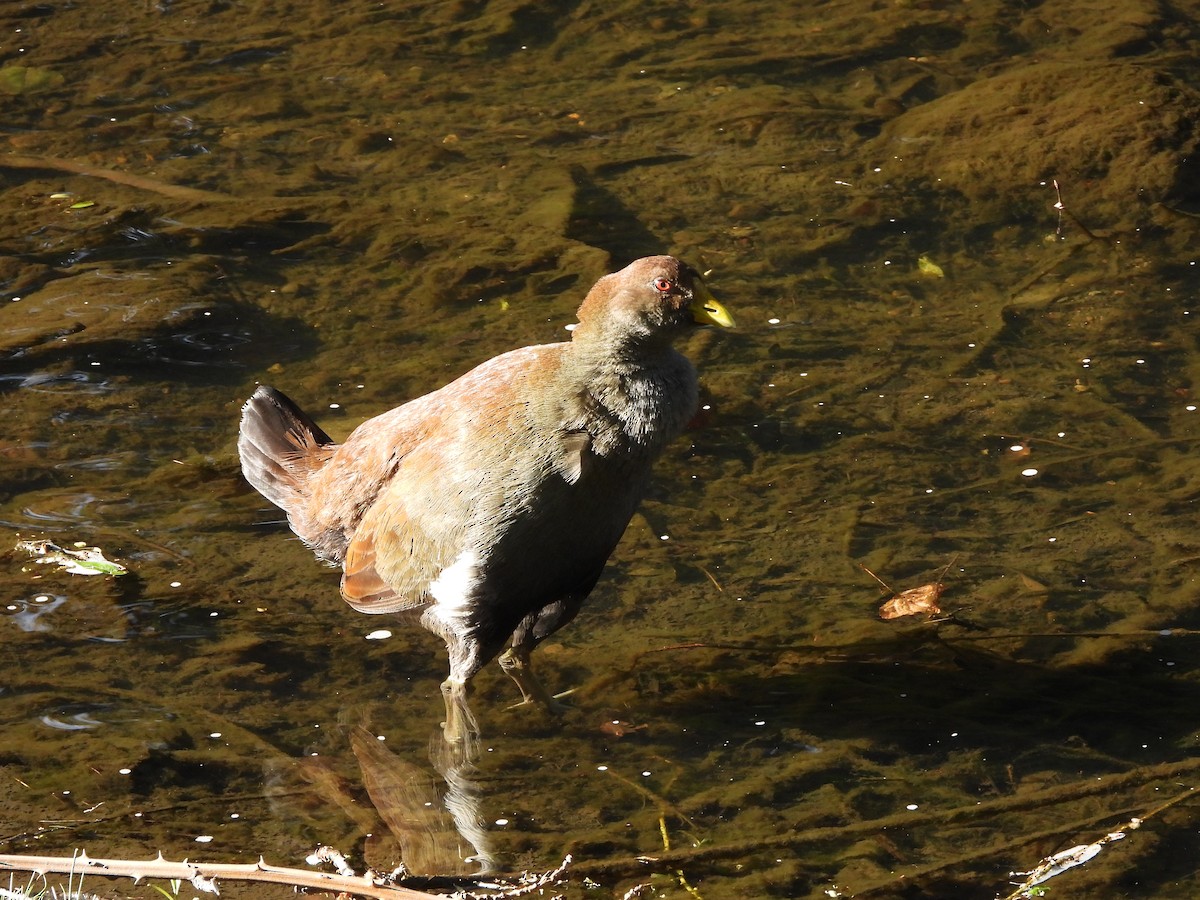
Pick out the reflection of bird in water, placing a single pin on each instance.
(433, 816)
(464, 797)
(492, 505)
(406, 798)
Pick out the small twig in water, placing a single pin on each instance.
(716, 583)
(1062, 208)
(664, 805)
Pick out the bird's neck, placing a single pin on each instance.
(635, 399)
(621, 352)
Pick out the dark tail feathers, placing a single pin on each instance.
(280, 447)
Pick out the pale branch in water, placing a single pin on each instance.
(204, 876)
(54, 164)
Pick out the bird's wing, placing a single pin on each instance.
(356, 477)
(362, 587)
(450, 473)
(407, 537)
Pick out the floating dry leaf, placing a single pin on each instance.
(83, 560)
(1053, 866)
(923, 599)
(914, 601)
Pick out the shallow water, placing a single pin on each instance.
(356, 203)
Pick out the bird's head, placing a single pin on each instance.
(652, 300)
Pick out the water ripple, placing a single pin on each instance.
(57, 382)
(26, 613)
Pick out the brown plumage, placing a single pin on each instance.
(492, 504)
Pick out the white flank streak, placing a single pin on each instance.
(454, 586)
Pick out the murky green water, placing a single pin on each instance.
(358, 202)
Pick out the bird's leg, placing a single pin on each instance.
(460, 726)
(515, 663)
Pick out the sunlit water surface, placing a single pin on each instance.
(946, 373)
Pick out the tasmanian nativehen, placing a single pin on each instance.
(491, 506)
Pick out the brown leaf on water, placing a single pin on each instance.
(1032, 585)
(619, 729)
(914, 601)
(923, 599)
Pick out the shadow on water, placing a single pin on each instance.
(945, 364)
(599, 218)
(109, 297)
(938, 692)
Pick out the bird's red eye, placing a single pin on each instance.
(662, 284)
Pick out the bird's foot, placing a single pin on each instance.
(548, 702)
(516, 665)
(460, 726)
